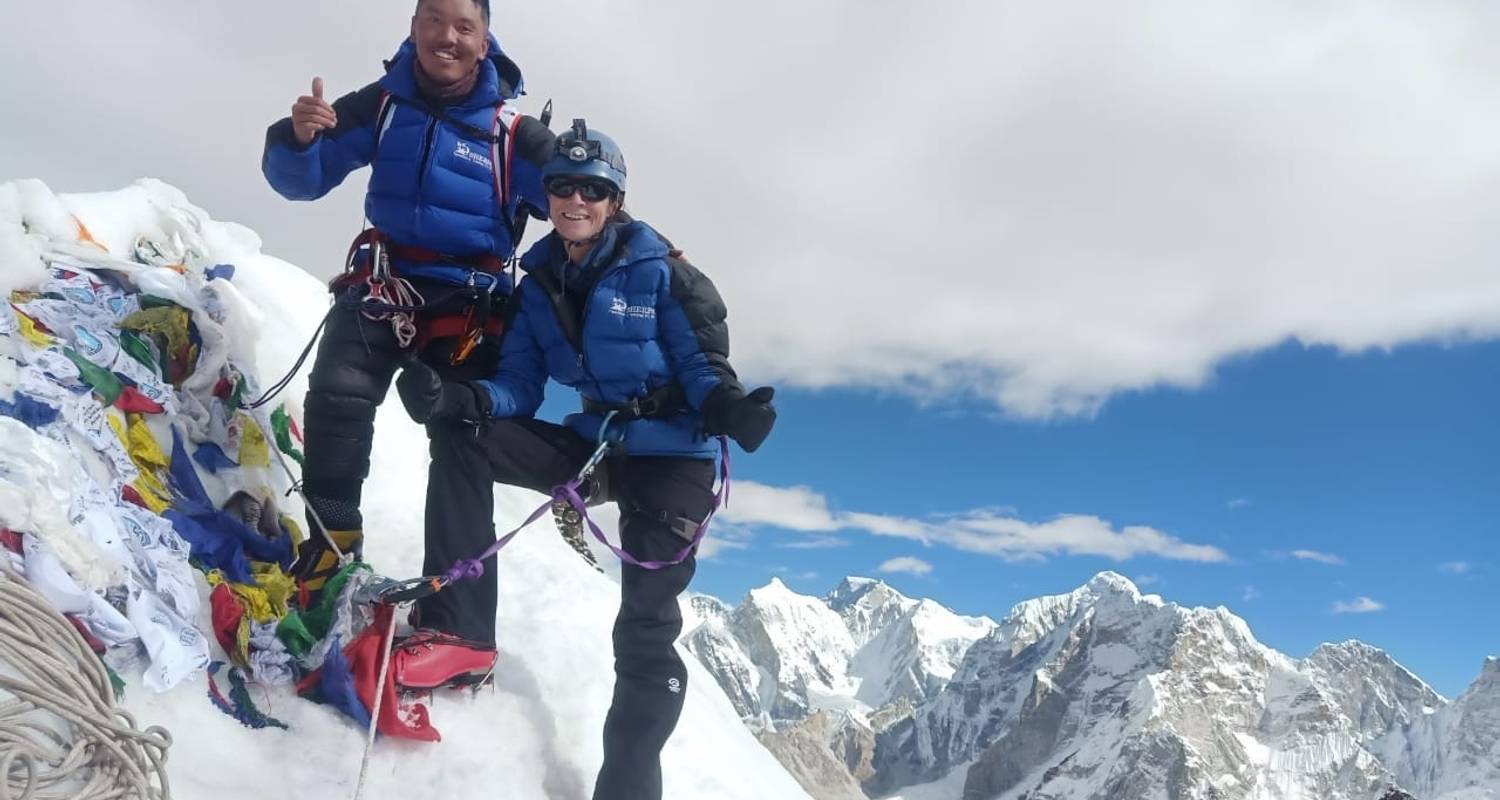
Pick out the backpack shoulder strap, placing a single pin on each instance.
(383, 117)
(502, 148)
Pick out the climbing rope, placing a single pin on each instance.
(48, 674)
(387, 640)
(397, 293)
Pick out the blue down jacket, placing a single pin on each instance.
(628, 321)
(433, 182)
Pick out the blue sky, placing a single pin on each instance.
(1388, 462)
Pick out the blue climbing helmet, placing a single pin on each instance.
(585, 153)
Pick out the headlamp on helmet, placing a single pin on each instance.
(582, 153)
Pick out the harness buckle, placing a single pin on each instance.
(646, 406)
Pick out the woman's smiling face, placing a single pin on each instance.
(575, 217)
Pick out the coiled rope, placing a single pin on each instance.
(61, 736)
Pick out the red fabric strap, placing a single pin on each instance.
(486, 262)
(430, 329)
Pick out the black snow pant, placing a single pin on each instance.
(356, 359)
(654, 495)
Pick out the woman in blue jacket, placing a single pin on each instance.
(609, 309)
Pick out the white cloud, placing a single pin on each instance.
(907, 564)
(714, 546)
(1147, 580)
(1314, 555)
(723, 537)
(796, 508)
(1238, 503)
(981, 531)
(881, 525)
(1251, 593)
(1457, 567)
(817, 543)
(1359, 605)
(1149, 190)
(1074, 534)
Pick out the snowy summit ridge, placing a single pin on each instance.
(536, 734)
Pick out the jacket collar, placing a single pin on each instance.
(620, 243)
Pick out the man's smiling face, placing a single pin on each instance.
(452, 37)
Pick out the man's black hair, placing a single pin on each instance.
(484, 6)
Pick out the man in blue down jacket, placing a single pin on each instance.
(610, 310)
(455, 169)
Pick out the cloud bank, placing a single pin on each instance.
(1036, 205)
(983, 531)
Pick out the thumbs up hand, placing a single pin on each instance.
(311, 114)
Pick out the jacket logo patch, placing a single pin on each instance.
(620, 308)
(462, 151)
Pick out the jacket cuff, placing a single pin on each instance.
(473, 400)
(716, 406)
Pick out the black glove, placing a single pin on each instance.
(747, 419)
(429, 399)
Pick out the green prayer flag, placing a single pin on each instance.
(169, 326)
(102, 381)
(293, 633)
(320, 617)
(117, 683)
(281, 426)
(237, 396)
(140, 350)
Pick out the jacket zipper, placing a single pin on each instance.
(583, 324)
(557, 292)
(422, 165)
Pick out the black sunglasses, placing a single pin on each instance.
(592, 190)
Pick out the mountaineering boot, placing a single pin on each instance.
(258, 513)
(429, 659)
(317, 561)
(594, 490)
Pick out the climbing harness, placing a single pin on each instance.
(383, 289)
(391, 298)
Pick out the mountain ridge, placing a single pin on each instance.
(1106, 691)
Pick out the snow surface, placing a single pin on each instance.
(536, 734)
(948, 787)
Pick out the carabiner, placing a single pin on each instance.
(604, 436)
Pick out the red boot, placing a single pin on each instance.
(430, 659)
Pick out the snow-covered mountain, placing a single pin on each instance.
(537, 733)
(1105, 692)
(781, 656)
(1453, 752)
(1102, 692)
(908, 649)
